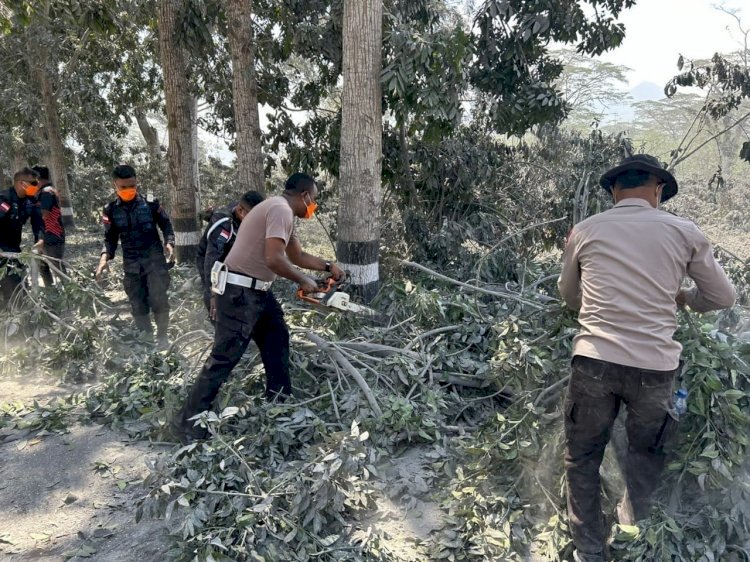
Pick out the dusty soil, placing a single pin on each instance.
(406, 514)
(71, 496)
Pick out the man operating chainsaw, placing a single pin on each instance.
(266, 247)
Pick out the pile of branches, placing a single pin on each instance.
(472, 374)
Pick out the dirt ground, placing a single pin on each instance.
(71, 496)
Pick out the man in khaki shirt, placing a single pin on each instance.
(265, 248)
(622, 269)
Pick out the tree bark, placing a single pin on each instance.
(19, 157)
(182, 164)
(361, 145)
(58, 166)
(151, 136)
(248, 144)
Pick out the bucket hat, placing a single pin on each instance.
(645, 163)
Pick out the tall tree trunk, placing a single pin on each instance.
(181, 162)
(19, 157)
(151, 136)
(58, 166)
(361, 144)
(245, 96)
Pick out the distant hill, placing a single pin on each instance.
(647, 91)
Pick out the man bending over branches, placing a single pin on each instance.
(623, 269)
(266, 247)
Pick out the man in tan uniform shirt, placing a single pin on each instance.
(265, 248)
(622, 269)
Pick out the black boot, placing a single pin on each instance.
(143, 324)
(184, 430)
(162, 324)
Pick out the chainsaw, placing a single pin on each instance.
(329, 294)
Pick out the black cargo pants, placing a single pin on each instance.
(11, 276)
(146, 283)
(595, 392)
(55, 251)
(243, 314)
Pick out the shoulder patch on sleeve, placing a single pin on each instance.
(4, 207)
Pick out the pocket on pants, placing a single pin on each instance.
(592, 369)
(589, 380)
(570, 412)
(666, 432)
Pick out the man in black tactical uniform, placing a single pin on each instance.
(217, 240)
(15, 210)
(133, 220)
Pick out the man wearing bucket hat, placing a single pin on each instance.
(622, 269)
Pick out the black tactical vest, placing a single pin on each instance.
(139, 234)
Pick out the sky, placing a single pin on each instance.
(658, 31)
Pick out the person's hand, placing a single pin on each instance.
(337, 272)
(38, 247)
(308, 285)
(681, 298)
(169, 252)
(103, 265)
(212, 308)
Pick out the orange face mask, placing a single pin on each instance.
(127, 193)
(312, 206)
(31, 189)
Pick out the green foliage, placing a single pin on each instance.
(475, 381)
(513, 69)
(53, 417)
(139, 397)
(730, 78)
(267, 488)
(457, 199)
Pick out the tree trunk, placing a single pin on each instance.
(181, 161)
(361, 144)
(19, 157)
(151, 136)
(57, 164)
(248, 143)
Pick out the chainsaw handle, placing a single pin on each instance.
(325, 286)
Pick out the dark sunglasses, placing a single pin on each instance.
(35, 182)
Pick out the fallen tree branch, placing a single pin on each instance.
(349, 368)
(551, 388)
(435, 332)
(52, 263)
(502, 295)
(378, 349)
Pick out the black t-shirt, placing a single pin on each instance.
(54, 231)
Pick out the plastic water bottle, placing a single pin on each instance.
(680, 401)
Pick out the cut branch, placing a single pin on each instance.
(502, 295)
(349, 368)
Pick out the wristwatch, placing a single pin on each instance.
(328, 267)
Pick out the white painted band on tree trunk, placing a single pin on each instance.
(361, 274)
(187, 238)
(66, 211)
